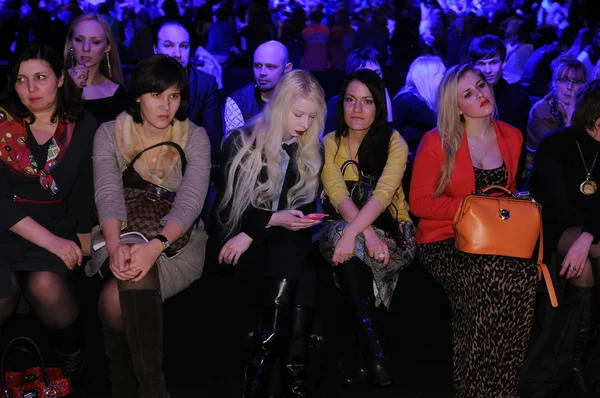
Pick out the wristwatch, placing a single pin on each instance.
(165, 242)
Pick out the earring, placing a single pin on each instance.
(108, 64)
(72, 57)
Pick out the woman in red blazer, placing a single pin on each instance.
(492, 297)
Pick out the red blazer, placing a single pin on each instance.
(437, 214)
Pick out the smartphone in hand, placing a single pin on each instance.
(316, 216)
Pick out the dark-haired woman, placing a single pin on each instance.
(564, 180)
(148, 272)
(361, 245)
(46, 197)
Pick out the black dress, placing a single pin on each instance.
(65, 219)
(557, 173)
(492, 300)
(107, 109)
(275, 252)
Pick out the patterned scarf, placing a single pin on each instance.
(15, 152)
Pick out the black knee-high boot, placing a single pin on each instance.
(586, 295)
(122, 377)
(294, 355)
(377, 361)
(68, 348)
(267, 339)
(353, 371)
(356, 281)
(142, 313)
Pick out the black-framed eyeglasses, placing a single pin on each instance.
(572, 81)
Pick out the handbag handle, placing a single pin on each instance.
(354, 163)
(41, 361)
(498, 187)
(361, 176)
(169, 143)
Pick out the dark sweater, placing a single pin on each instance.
(557, 174)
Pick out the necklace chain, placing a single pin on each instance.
(588, 171)
(154, 158)
(473, 148)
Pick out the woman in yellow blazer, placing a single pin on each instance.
(365, 242)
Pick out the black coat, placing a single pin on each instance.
(204, 109)
(275, 252)
(513, 105)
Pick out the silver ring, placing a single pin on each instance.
(381, 255)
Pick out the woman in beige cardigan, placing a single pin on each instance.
(146, 272)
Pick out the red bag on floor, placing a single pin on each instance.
(39, 382)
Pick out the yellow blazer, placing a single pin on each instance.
(389, 186)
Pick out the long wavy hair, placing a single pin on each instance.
(450, 124)
(373, 150)
(116, 74)
(260, 149)
(423, 79)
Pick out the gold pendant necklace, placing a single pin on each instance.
(587, 187)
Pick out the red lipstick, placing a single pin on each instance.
(484, 103)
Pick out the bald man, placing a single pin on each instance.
(270, 64)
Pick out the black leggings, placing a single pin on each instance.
(356, 280)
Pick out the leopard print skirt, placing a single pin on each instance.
(492, 299)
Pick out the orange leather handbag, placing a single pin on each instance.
(503, 225)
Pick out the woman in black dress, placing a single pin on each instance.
(564, 177)
(46, 196)
(270, 186)
(92, 59)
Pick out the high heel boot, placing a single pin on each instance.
(267, 339)
(122, 377)
(294, 374)
(377, 361)
(351, 364)
(142, 313)
(586, 295)
(68, 348)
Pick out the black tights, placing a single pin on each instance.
(48, 295)
(109, 306)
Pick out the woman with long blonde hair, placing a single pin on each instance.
(92, 59)
(492, 297)
(270, 181)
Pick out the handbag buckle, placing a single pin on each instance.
(152, 196)
(504, 214)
